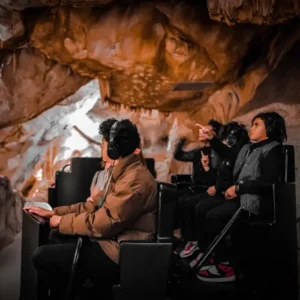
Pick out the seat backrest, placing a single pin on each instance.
(281, 232)
(284, 237)
(280, 202)
(289, 164)
(73, 187)
(269, 207)
(150, 162)
(166, 210)
(144, 269)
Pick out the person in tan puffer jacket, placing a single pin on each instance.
(129, 212)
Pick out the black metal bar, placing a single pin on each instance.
(219, 237)
(74, 267)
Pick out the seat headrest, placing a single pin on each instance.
(289, 163)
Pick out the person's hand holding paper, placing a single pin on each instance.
(45, 213)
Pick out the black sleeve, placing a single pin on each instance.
(208, 178)
(181, 155)
(271, 170)
(224, 178)
(223, 150)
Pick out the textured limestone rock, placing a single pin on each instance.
(23, 146)
(30, 83)
(22, 4)
(281, 86)
(140, 51)
(11, 26)
(11, 204)
(253, 11)
(229, 11)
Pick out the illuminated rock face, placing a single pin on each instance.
(144, 58)
(256, 12)
(30, 83)
(140, 52)
(11, 204)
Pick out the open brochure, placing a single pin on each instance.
(43, 205)
(36, 218)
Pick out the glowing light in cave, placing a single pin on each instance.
(76, 143)
(39, 175)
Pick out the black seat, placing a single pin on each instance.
(166, 211)
(70, 187)
(277, 232)
(144, 270)
(182, 180)
(144, 266)
(74, 186)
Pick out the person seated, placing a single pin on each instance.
(196, 154)
(100, 178)
(232, 135)
(129, 212)
(257, 166)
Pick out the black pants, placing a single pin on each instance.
(186, 211)
(54, 261)
(211, 216)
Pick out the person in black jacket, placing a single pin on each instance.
(257, 166)
(191, 207)
(195, 156)
(199, 182)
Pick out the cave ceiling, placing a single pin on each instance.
(200, 59)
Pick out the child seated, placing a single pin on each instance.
(257, 166)
(196, 155)
(233, 135)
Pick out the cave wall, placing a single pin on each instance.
(281, 92)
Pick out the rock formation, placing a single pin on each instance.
(11, 205)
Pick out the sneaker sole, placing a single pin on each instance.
(190, 254)
(218, 280)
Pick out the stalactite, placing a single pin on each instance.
(14, 62)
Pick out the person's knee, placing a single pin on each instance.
(39, 257)
(181, 202)
(200, 209)
(213, 215)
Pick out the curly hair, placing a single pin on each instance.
(275, 126)
(215, 125)
(235, 131)
(127, 136)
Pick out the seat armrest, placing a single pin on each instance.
(137, 241)
(181, 178)
(144, 270)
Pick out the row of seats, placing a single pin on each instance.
(278, 230)
(72, 184)
(155, 256)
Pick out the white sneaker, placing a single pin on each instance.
(222, 272)
(189, 249)
(195, 261)
(206, 264)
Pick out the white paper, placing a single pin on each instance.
(43, 205)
